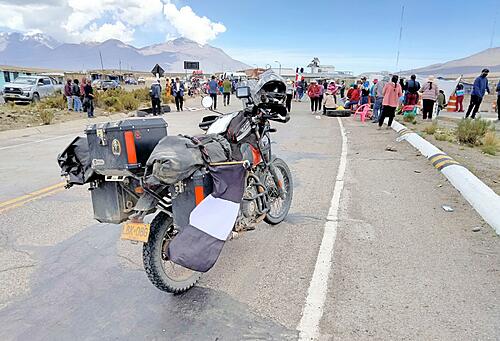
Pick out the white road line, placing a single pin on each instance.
(37, 141)
(316, 295)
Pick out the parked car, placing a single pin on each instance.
(141, 80)
(109, 84)
(96, 84)
(30, 88)
(131, 81)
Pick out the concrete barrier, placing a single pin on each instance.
(482, 198)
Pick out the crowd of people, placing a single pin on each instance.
(80, 96)
(385, 96)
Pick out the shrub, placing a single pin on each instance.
(167, 99)
(142, 95)
(129, 102)
(490, 143)
(53, 102)
(431, 129)
(112, 103)
(47, 116)
(472, 131)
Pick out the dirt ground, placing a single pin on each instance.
(23, 116)
(484, 166)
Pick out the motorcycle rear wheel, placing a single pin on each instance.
(164, 274)
(279, 207)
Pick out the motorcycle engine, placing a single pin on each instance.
(249, 215)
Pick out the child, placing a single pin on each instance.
(441, 101)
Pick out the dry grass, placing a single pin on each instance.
(431, 129)
(491, 144)
(471, 131)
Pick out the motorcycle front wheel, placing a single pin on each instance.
(163, 273)
(279, 206)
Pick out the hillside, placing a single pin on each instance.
(468, 66)
(44, 52)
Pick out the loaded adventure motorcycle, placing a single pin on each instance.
(199, 191)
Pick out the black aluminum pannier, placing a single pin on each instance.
(123, 147)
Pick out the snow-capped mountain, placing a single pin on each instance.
(39, 50)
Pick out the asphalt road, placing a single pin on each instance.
(402, 268)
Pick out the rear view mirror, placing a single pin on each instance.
(243, 92)
(206, 102)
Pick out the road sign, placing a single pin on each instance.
(191, 65)
(158, 70)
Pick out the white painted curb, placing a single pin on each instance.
(482, 198)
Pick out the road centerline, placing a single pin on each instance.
(318, 288)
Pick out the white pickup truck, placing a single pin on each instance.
(30, 88)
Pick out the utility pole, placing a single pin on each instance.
(279, 64)
(100, 56)
(400, 37)
(120, 63)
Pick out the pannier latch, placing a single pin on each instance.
(101, 134)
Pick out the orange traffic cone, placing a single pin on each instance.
(452, 104)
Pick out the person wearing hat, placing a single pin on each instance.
(329, 102)
(478, 91)
(314, 92)
(155, 94)
(429, 93)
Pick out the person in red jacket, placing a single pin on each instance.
(354, 98)
(314, 93)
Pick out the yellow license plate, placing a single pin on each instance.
(136, 231)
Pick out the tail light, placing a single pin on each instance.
(199, 194)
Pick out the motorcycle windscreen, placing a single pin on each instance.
(198, 245)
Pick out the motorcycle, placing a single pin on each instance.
(267, 195)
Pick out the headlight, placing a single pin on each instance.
(27, 89)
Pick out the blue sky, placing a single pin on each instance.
(358, 36)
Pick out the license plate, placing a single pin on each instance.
(136, 231)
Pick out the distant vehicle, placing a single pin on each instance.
(109, 84)
(96, 84)
(131, 81)
(30, 88)
(141, 80)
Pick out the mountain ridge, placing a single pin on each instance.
(466, 66)
(42, 51)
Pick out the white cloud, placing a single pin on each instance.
(108, 31)
(192, 26)
(98, 20)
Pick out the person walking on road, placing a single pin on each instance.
(178, 90)
(156, 97)
(213, 88)
(478, 91)
(289, 95)
(88, 99)
(75, 92)
(392, 92)
(412, 88)
(68, 94)
(313, 92)
(441, 102)
(460, 92)
(430, 92)
(498, 99)
(379, 98)
(321, 88)
(226, 91)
